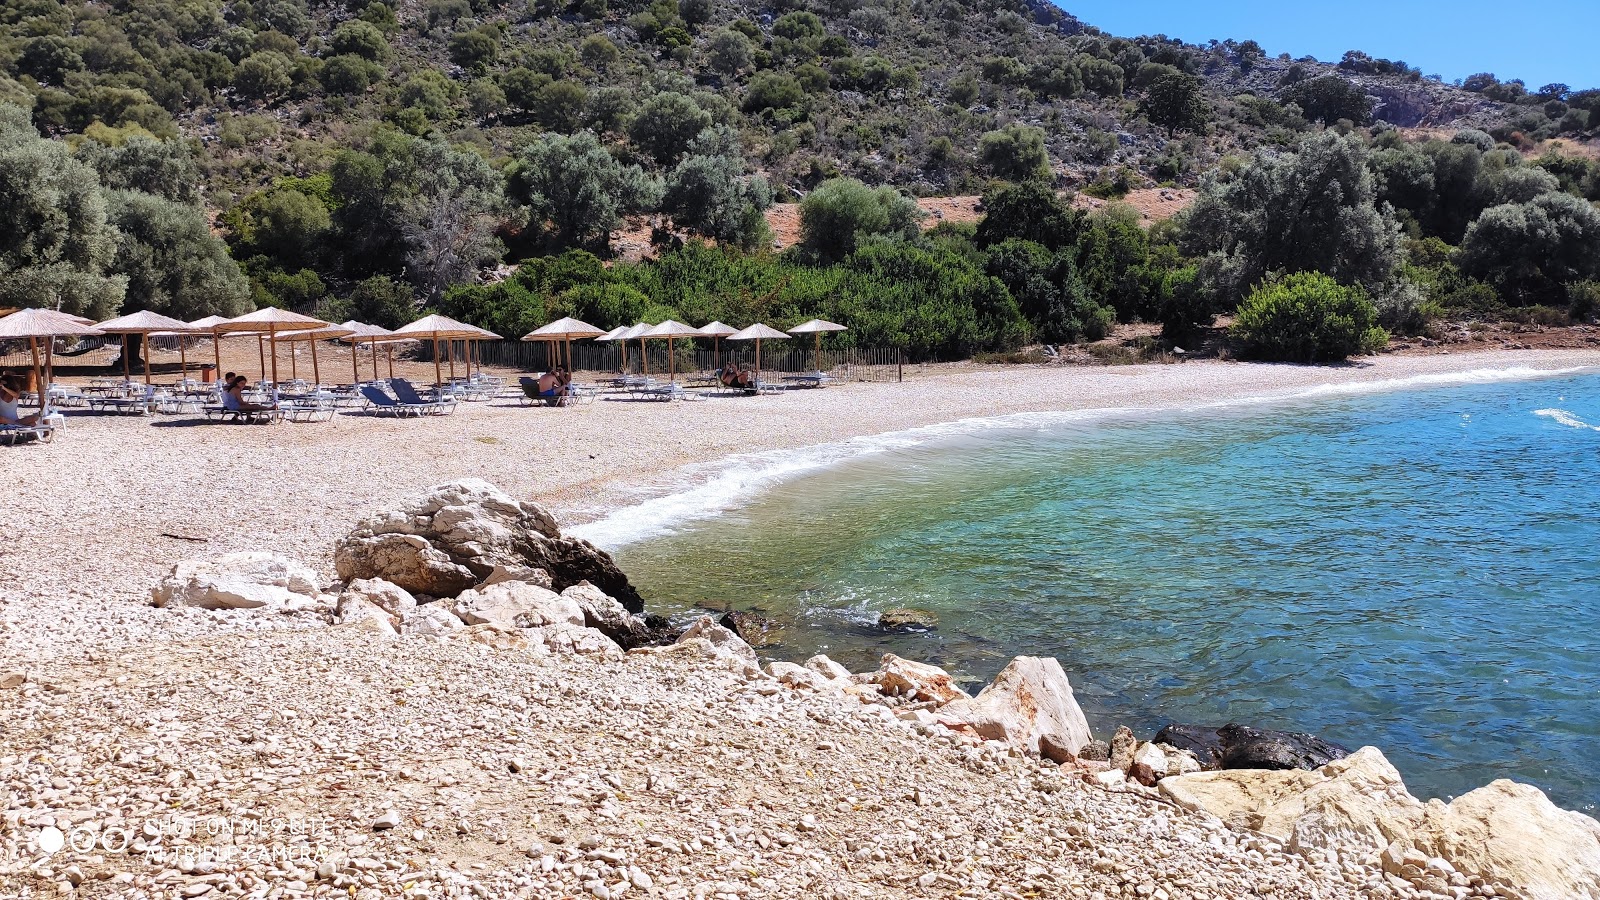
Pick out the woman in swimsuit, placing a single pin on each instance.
(10, 395)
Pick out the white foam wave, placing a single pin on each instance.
(1562, 417)
(709, 490)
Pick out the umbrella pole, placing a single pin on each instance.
(294, 362)
(388, 352)
(644, 357)
(451, 345)
(355, 361)
(126, 374)
(261, 348)
(316, 370)
(38, 373)
(216, 347)
(375, 375)
(438, 377)
(49, 370)
(146, 360)
(183, 360)
(272, 336)
(672, 362)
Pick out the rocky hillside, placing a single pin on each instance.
(896, 92)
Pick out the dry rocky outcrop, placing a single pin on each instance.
(249, 580)
(1030, 706)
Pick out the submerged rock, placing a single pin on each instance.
(1235, 746)
(753, 628)
(907, 619)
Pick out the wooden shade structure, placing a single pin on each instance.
(313, 335)
(362, 333)
(758, 333)
(816, 327)
(611, 336)
(143, 322)
(564, 331)
(437, 328)
(717, 331)
(209, 325)
(671, 330)
(270, 322)
(34, 324)
(636, 332)
(473, 352)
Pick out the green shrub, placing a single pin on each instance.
(1308, 317)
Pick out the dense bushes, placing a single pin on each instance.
(1308, 318)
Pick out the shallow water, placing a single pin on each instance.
(1413, 569)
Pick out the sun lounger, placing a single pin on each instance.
(408, 395)
(532, 396)
(316, 407)
(381, 404)
(44, 432)
(216, 412)
(138, 405)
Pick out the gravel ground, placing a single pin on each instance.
(514, 775)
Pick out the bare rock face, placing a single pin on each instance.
(826, 667)
(919, 681)
(607, 615)
(432, 620)
(460, 535)
(1511, 834)
(713, 640)
(250, 580)
(391, 598)
(1030, 706)
(356, 609)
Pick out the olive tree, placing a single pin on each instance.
(577, 191)
(836, 216)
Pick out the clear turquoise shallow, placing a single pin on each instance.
(1412, 569)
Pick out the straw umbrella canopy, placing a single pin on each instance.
(816, 327)
(270, 321)
(209, 325)
(636, 332)
(717, 331)
(758, 333)
(313, 335)
(143, 322)
(437, 328)
(483, 334)
(361, 332)
(611, 336)
(563, 331)
(42, 323)
(672, 330)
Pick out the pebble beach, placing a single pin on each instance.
(453, 768)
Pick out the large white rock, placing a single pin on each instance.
(576, 640)
(1508, 834)
(386, 595)
(357, 610)
(714, 640)
(826, 667)
(1030, 706)
(432, 620)
(1511, 834)
(516, 604)
(902, 677)
(249, 580)
(606, 613)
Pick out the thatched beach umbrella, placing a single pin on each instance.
(474, 352)
(612, 336)
(671, 330)
(717, 331)
(758, 333)
(437, 328)
(361, 332)
(42, 323)
(564, 331)
(313, 335)
(816, 327)
(209, 325)
(143, 322)
(270, 322)
(636, 332)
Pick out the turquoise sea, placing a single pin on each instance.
(1412, 566)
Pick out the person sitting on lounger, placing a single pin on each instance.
(553, 385)
(233, 398)
(735, 377)
(10, 395)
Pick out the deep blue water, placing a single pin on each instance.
(1414, 569)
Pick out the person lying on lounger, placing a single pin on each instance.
(10, 396)
(233, 398)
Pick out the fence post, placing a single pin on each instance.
(900, 367)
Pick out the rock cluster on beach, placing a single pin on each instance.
(488, 720)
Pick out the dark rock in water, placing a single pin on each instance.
(753, 628)
(1235, 746)
(570, 560)
(1095, 751)
(1200, 740)
(908, 619)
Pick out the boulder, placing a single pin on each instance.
(919, 681)
(432, 619)
(357, 610)
(460, 535)
(826, 667)
(1123, 743)
(607, 615)
(796, 676)
(575, 640)
(714, 640)
(1030, 706)
(1235, 746)
(1095, 751)
(907, 619)
(516, 604)
(1511, 834)
(249, 580)
(387, 596)
(753, 628)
